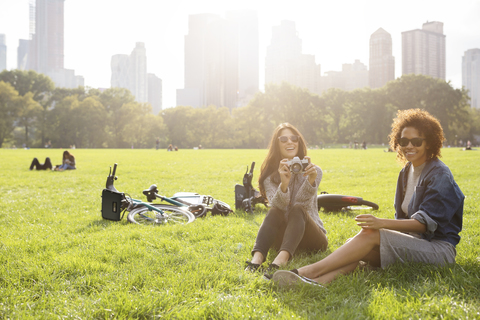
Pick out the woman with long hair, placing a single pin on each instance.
(292, 224)
(68, 162)
(428, 210)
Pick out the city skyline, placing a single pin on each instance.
(336, 33)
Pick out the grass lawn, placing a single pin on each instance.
(59, 259)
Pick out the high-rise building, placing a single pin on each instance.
(48, 38)
(382, 62)
(353, 76)
(43, 52)
(247, 44)
(471, 75)
(221, 64)
(138, 72)
(130, 72)
(196, 50)
(286, 63)
(120, 71)
(221, 60)
(423, 51)
(3, 53)
(155, 92)
(22, 54)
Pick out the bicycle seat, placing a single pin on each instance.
(150, 192)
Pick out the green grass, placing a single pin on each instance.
(59, 259)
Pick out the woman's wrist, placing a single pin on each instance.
(284, 187)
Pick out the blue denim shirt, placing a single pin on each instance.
(437, 202)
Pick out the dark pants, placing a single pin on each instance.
(37, 165)
(299, 232)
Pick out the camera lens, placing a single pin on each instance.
(296, 168)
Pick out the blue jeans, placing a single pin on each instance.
(66, 166)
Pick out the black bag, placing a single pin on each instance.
(112, 205)
(240, 195)
(246, 197)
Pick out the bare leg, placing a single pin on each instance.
(330, 276)
(258, 258)
(364, 246)
(282, 258)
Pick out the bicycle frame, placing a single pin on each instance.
(109, 185)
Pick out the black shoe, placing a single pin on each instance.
(270, 271)
(272, 267)
(252, 267)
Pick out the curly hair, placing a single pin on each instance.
(274, 155)
(426, 124)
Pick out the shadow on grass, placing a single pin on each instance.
(99, 225)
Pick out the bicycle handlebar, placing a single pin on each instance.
(114, 169)
(111, 179)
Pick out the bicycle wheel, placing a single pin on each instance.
(171, 215)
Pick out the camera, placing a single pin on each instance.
(297, 165)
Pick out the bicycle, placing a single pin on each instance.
(180, 210)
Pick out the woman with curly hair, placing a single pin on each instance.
(428, 210)
(292, 224)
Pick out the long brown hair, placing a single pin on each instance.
(274, 156)
(68, 155)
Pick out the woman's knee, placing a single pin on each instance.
(372, 235)
(275, 212)
(298, 211)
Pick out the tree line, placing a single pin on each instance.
(34, 112)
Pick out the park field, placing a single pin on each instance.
(60, 260)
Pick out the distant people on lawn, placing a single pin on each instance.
(157, 143)
(428, 211)
(170, 147)
(292, 224)
(68, 162)
(41, 166)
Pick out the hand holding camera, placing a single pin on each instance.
(297, 166)
(303, 166)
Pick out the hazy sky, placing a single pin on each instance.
(336, 31)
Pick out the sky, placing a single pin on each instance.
(335, 31)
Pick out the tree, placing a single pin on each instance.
(177, 121)
(436, 96)
(38, 85)
(90, 116)
(62, 123)
(369, 116)
(27, 113)
(335, 101)
(140, 128)
(8, 110)
(113, 99)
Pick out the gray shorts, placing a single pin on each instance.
(401, 247)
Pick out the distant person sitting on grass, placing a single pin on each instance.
(41, 166)
(292, 224)
(68, 162)
(428, 211)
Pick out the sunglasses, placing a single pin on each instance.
(416, 142)
(284, 139)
